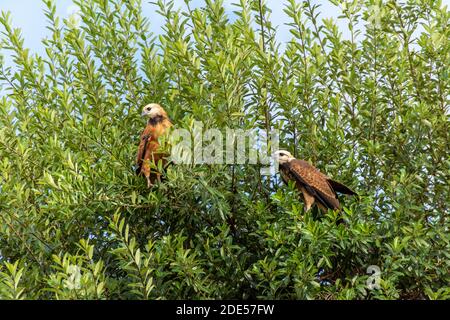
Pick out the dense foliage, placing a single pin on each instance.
(370, 109)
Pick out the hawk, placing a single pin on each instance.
(315, 186)
(149, 147)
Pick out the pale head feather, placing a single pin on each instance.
(153, 110)
(282, 156)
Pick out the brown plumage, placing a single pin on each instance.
(315, 186)
(149, 145)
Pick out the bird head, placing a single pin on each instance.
(282, 156)
(153, 110)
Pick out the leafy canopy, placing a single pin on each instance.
(370, 109)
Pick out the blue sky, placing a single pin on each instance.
(29, 16)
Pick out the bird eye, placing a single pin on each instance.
(148, 109)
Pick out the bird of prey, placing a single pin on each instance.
(149, 152)
(315, 186)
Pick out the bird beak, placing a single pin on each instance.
(143, 114)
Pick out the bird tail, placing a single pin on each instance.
(339, 187)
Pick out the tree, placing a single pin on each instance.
(371, 110)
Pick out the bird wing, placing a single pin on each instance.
(142, 149)
(314, 181)
(339, 187)
(336, 186)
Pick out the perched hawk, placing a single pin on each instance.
(149, 147)
(315, 186)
